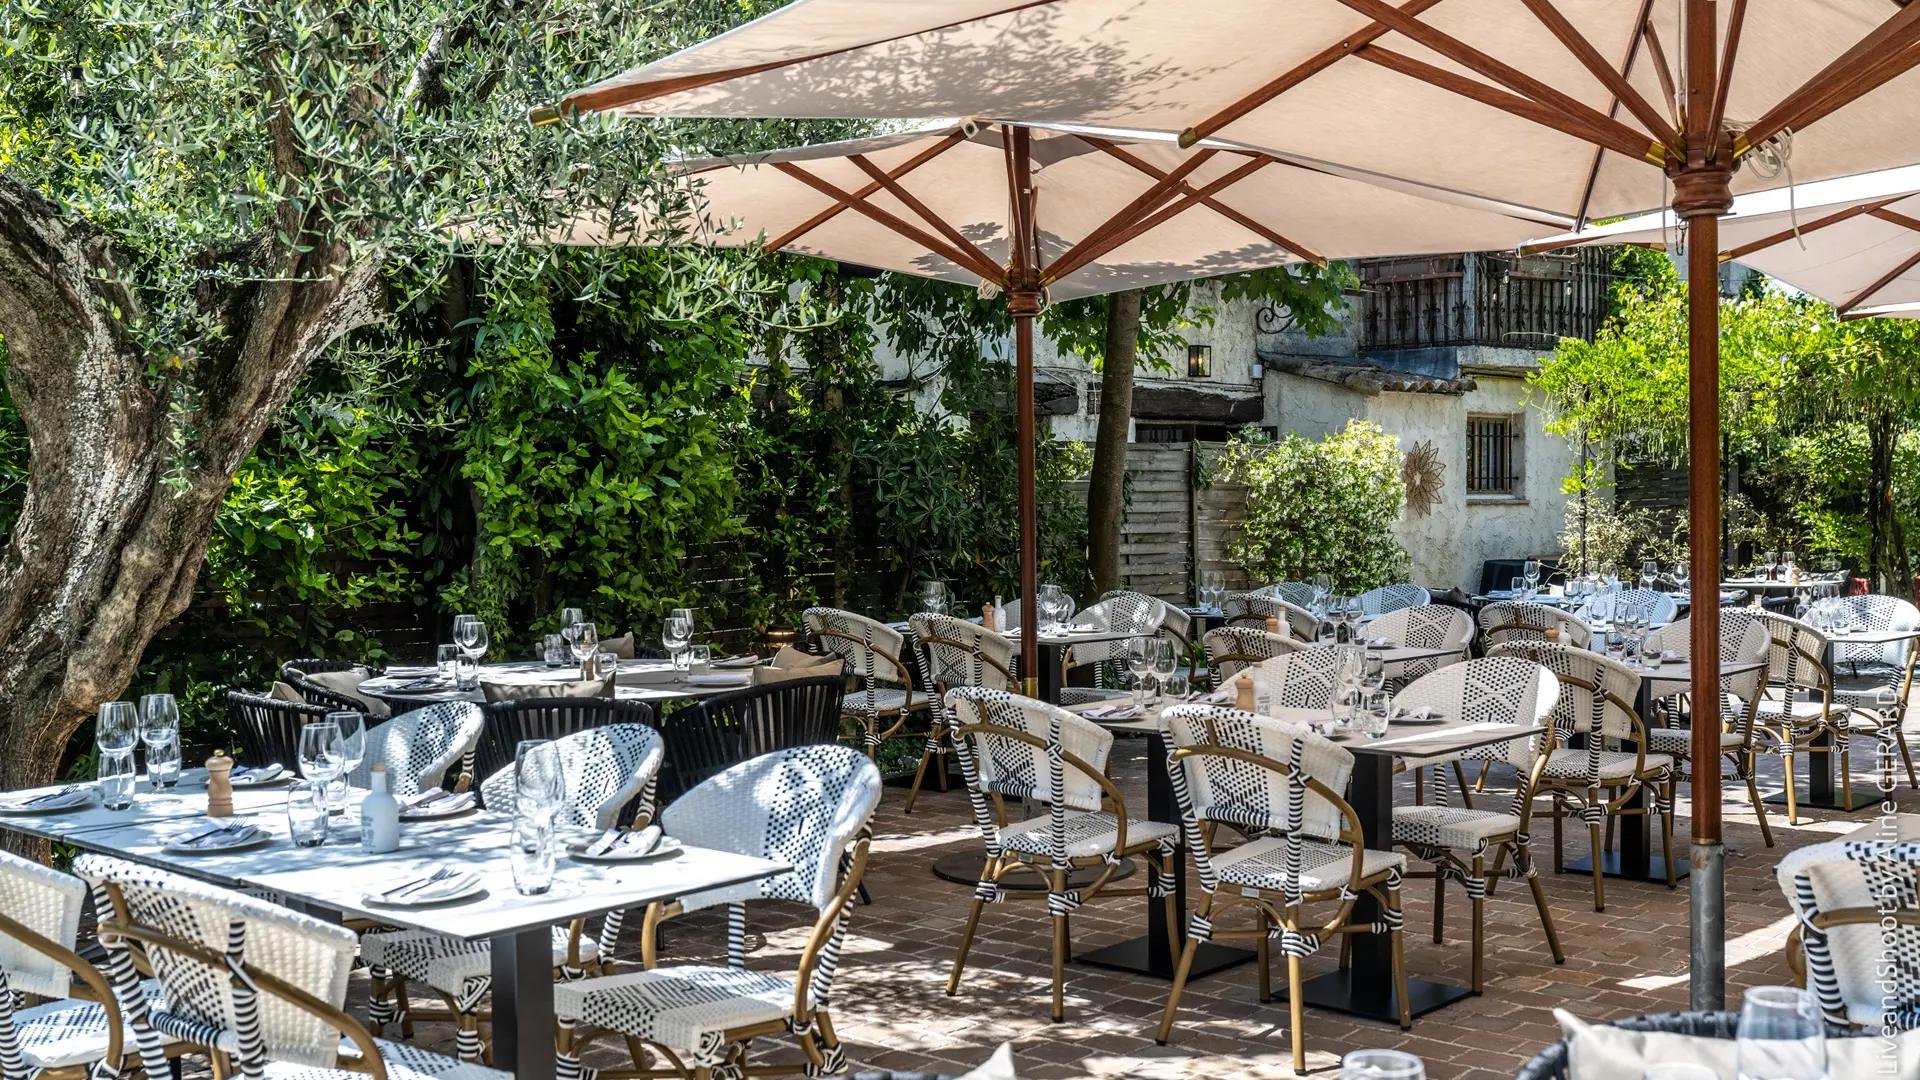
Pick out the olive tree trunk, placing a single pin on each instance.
(131, 453)
(1106, 484)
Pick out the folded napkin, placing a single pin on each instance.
(71, 795)
(437, 800)
(721, 678)
(216, 834)
(1111, 712)
(1380, 643)
(745, 660)
(259, 774)
(1424, 712)
(441, 882)
(625, 843)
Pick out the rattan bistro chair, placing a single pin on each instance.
(1516, 620)
(810, 807)
(257, 987)
(268, 729)
(959, 653)
(420, 746)
(1019, 747)
(1796, 666)
(716, 733)
(1387, 598)
(1250, 609)
(506, 724)
(1741, 641)
(1428, 626)
(1233, 649)
(1282, 782)
(1858, 938)
(875, 655)
(1893, 663)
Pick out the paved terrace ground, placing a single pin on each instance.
(891, 1008)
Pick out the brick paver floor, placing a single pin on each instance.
(892, 1011)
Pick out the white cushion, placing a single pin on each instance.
(347, 684)
(1605, 1052)
(1088, 834)
(1259, 864)
(1570, 764)
(403, 1062)
(1806, 711)
(683, 1007)
(1450, 827)
(71, 1031)
(446, 963)
(1679, 741)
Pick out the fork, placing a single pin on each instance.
(61, 794)
(439, 875)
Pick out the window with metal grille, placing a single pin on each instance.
(1490, 455)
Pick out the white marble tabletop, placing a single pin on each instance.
(1414, 742)
(637, 680)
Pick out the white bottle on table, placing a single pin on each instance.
(379, 816)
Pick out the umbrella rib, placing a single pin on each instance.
(1659, 56)
(906, 229)
(1816, 225)
(1084, 253)
(1024, 258)
(1525, 108)
(1599, 153)
(1210, 203)
(1300, 73)
(1166, 187)
(953, 235)
(1895, 216)
(1583, 50)
(1894, 64)
(1889, 38)
(952, 140)
(1520, 82)
(1728, 55)
(1905, 266)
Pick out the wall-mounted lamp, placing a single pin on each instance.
(1199, 361)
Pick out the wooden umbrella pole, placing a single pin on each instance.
(1024, 303)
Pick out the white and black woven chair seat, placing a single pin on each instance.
(1802, 712)
(403, 1062)
(70, 1031)
(885, 699)
(1678, 742)
(1451, 827)
(1088, 695)
(1262, 864)
(1087, 835)
(685, 1007)
(446, 963)
(1571, 764)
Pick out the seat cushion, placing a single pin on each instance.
(1260, 864)
(1088, 834)
(683, 1008)
(886, 699)
(1451, 827)
(446, 963)
(1678, 742)
(1570, 764)
(403, 1062)
(1805, 712)
(70, 1031)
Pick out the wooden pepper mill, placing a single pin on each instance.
(1243, 692)
(1553, 633)
(219, 785)
(1273, 624)
(986, 616)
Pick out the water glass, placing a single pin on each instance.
(160, 731)
(553, 650)
(1140, 661)
(1381, 1065)
(699, 659)
(606, 665)
(466, 673)
(531, 852)
(116, 726)
(307, 814)
(539, 781)
(163, 763)
(1518, 586)
(446, 658)
(1781, 1036)
(116, 779)
(1375, 715)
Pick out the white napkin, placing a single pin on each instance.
(625, 843)
(1111, 712)
(1380, 642)
(71, 795)
(721, 678)
(436, 801)
(1424, 712)
(422, 888)
(746, 660)
(402, 671)
(216, 834)
(260, 775)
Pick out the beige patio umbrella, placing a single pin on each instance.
(1588, 109)
(1044, 213)
(1853, 242)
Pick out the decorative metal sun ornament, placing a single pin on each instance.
(1422, 473)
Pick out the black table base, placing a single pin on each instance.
(1140, 957)
(1610, 866)
(1349, 992)
(1864, 798)
(965, 869)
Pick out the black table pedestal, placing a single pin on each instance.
(1348, 991)
(1821, 793)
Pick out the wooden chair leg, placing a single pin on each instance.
(1793, 796)
(1525, 863)
(1460, 784)
(990, 872)
(1906, 756)
(1173, 912)
(1399, 965)
(1419, 787)
(1263, 956)
(1480, 782)
(1296, 1013)
(1842, 741)
(927, 753)
(1759, 805)
(1559, 860)
(1666, 828)
(1180, 980)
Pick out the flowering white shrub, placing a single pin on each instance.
(1324, 507)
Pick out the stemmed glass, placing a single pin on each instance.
(933, 597)
(1165, 662)
(539, 793)
(583, 642)
(1530, 573)
(1681, 571)
(1768, 561)
(1781, 1036)
(1349, 671)
(115, 731)
(322, 753)
(1649, 574)
(1141, 654)
(353, 751)
(160, 731)
(471, 635)
(570, 617)
(1322, 593)
(676, 634)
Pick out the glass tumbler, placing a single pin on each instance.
(531, 851)
(116, 779)
(307, 813)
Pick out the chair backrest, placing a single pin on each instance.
(46, 903)
(1427, 626)
(1393, 598)
(1252, 795)
(506, 724)
(1302, 679)
(872, 650)
(1860, 927)
(1297, 593)
(1499, 688)
(1657, 606)
(1122, 613)
(963, 653)
(1517, 620)
(200, 940)
(1230, 649)
(803, 806)
(1877, 612)
(724, 730)
(298, 674)
(268, 729)
(419, 746)
(1596, 692)
(1027, 763)
(1797, 656)
(1297, 622)
(604, 767)
(1742, 641)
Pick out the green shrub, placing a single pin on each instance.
(1325, 507)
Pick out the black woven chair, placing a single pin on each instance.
(269, 729)
(1551, 1063)
(294, 673)
(509, 723)
(707, 736)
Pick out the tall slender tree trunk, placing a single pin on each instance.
(1888, 566)
(1106, 485)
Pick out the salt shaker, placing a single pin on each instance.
(219, 785)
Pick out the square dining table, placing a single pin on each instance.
(334, 880)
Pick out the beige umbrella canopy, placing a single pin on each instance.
(1854, 242)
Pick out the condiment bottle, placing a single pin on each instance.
(219, 785)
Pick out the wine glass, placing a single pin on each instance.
(1165, 662)
(1649, 574)
(473, 638)
(1769, 560)
(569, 616)
(116, 726)
(160, 731)
(1140, 663)
(584, 641)
(353, 751)
(1322, 591)
(1349, 670)
(1781, 1036)
(676, 634)
(1530, 570)
(539, 781)
(1681, 571)
(933, 597)
(461, 635)
(1381, 1065)
(322, 754)
(1787, 564)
